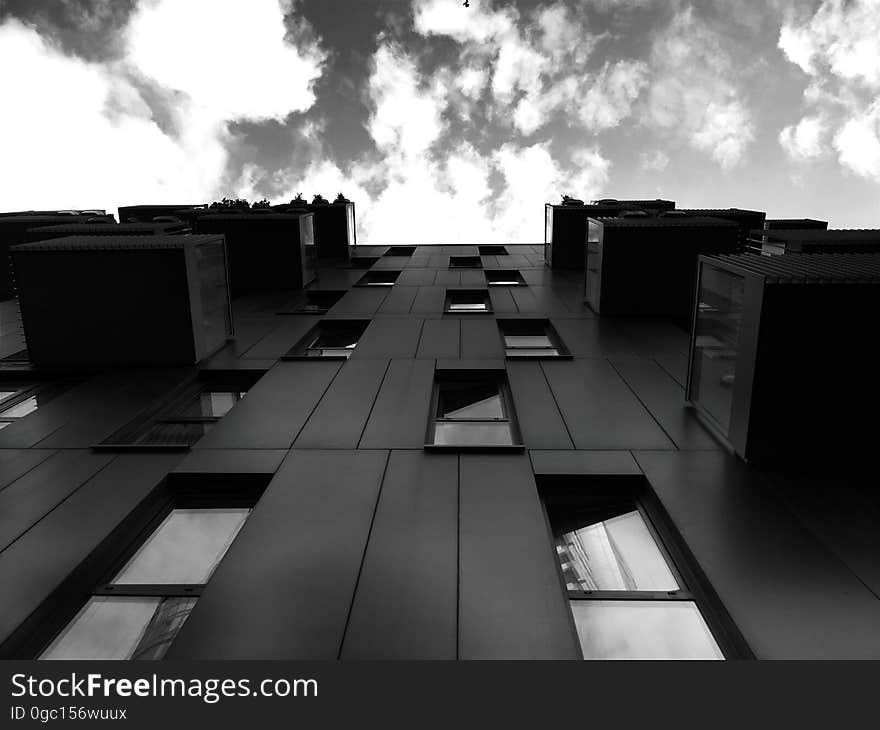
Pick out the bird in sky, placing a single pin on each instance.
(466, 3)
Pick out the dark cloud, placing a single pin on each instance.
(86, 28)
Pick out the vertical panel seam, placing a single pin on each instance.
(556, 403)
(373, 404)
(636, 396)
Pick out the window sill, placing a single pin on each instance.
(539, 357)
(312, 358)
(478, 448)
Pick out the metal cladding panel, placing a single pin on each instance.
(35, 565)
(480, 339)
(429, 300)
(399, 419)
(360, 302)
(535, 299)
(664, 399)
(447, 278)
(583, 463)
(339, 418)
(275, 408)
(415, 277)
(593, 337)
(16, 462)
(389, 338)
(512, 602)
(538, 417)
(286, 333)
(789, 596)
(399, 300)
(440, 338)
(502, 301)
(406, 607)
(30, 498)
(285, 587)
(231, 461)
(90, 412)
(599, 409)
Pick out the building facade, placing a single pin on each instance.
(432, 453)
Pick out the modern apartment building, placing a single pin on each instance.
(433, 452)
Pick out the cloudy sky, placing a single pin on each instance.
(445, 124)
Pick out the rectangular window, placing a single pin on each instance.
(378, 277)
(316, 302)
(19, 399)
(468, 301)
(628, 599)
(492, 250)
(465, 262)
(472, 410)
(504, 277)
(363, 262)
(331, 339)
(139, 610)
(400, 251)
(531, 338)
(185, 417)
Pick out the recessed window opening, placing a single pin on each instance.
(464, 301)
(465, 262)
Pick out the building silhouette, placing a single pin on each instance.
(437, 452)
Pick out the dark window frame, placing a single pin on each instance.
(615, 493)
(301, 349)
(400, 251)
(516, 276)
(548, 330)
(27, 387)
(493, 250)
(378, 273)
(94, 577)
(168, 410)
(499, 378)
(465, 262)
(315, 308)
(483, 294)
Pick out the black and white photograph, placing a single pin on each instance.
(373, 354)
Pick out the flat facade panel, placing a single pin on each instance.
(429, 300)
(389, 338)
(230, 461)
(540, 422)
(339, 419)
(399, 419)
(664, 399)
(360, 301)
(440, 338)
(285, 588)
(274, 410)
(592, 338)
(287, 332)
(399, 300)
(39, 561)
(28, 499)
(583, 463)
(788, 595)
(415, 277)
(502, 301)
(480, 339)
(599, 410)
(17, 462)
(511, 599)
(406, 603)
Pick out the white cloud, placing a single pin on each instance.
(804, 140)
(694, 94)
(655, 161)
(83, 133)
(838, 47)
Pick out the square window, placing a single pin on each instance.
(492, 250)
(468, 301)
(472, 411)
(504, 277)
(378, 277)
(465, 262)
(400, 251)
(332, 339)
(531, 338)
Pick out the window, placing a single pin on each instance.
(465, 262)
(400, 251)
(378, 277)
(465, 301)
(316, 302)
(472, 410)
(531, 338)
(627, 598)
(504, 277)
(186, 416)
(139, 610)
(19, 399)
(363, 262)
(332, 338)
(492, 250)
